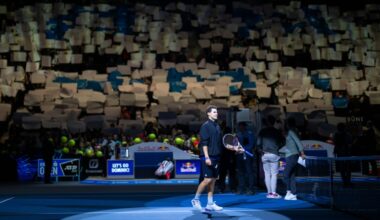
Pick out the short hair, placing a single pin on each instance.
(210, 107)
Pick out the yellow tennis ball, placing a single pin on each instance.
(99, 153)
(65, 150)
(71, 143)
(152, 136)
(63, 139)
(137, 140)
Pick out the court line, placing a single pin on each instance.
(5, 200)
(144, 211)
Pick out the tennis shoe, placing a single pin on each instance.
(196, 204)
(274, 196)
(213, 207)
(290, 196)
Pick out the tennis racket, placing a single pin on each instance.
(231, 142)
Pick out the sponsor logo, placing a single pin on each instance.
(188, 167)
(93, 164)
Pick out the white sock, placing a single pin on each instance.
(210, 200)
(197, 196)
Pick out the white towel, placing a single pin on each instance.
(302, 161)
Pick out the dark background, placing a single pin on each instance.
(344, 4)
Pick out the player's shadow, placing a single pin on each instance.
(239, 202)
(198, 215)
(235, 203)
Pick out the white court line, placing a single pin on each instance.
(165, 212)
(5, 200)
(184, 211)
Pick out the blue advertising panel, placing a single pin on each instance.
(61, 167)
(187, 167)
(120, 168)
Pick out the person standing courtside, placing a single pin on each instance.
(48, 149)
(210, 148)
(227, 166)
(269, 142)
(343, 148)
(294, 149)
(244, 163)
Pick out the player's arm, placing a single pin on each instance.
(205, 137)
(207, 157)
(205, 150)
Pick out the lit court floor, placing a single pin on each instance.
(143, 200)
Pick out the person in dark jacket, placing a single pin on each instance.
(369, 145)
(210, 147)
(244, 164)
(227, 166)
(48, 149)
(343, 148)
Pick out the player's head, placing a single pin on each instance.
(212, 112)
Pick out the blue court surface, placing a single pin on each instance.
(144, 200)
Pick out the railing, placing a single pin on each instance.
(321, 183)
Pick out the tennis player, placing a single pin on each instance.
(210, 148)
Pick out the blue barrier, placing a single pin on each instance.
(26, 168)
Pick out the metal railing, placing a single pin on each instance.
(321, 182)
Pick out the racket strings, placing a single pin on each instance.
(228, 139)
(235, 142)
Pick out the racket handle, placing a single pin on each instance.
(248, 153)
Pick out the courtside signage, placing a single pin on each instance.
(61, 167)
(187, 167)
(120, 168)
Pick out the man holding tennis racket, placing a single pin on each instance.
(210, 147)
(245, 170)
